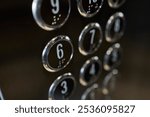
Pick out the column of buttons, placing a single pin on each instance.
(62, 88)
(90, 71)
(57, 54)
(115, 27)
(51, 14)
(112, 58)
(116, 3)
(109, 82)
(90, 39)
(89, 8)
(1, 95)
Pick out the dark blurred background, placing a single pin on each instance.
(21, 45)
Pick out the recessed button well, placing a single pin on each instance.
(57, 54)
(112, 58)
(90, 71)
(90, 39)
(51, 14)
(115, 27)
(62, 88)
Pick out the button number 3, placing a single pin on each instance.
(55, 5)
(64, 86)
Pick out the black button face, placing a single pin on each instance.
(109, 82)
(115, 27)
(90, 39)
(112, 57)
(93, 93)
(89, 8)
(116, 3)
(62, 88)
(57, 54)
(51, 14)
(90, 71)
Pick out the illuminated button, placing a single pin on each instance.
(62, 88)
(89, 8)
(90, 71)
(57, 54)
(51, 14)
(112, 57)
(115, 27)
(93, 93)
(109, 82)
(1, 95)
(90, 39)
(116, 3)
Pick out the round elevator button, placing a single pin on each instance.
(90, 39)
(57, 54)
(115, 27)
(51, 14)
(109, 83)
(62, 88)
(112, 58)
(116, 3)
(89, 8)
(90, 71)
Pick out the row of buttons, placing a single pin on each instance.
(64, 86)
(90, 40)
(60, 11)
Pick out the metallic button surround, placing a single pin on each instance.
(112, 58)
(57, 82)
(48, 47)
(84, 32)
(117, 21)
(36, 11)
(85, 13)
(116, 3)
(109, 82)
(1, 95)
(88, 66)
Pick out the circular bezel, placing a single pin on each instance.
(82, 35)
(88, 91)
(106, 65)
(46, 51)
(110, 76)
(85, 66)
(83, 12)
(112, 4)
(36, 11)
(56, 83)
(109, 25)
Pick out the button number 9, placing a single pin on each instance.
(55, 5)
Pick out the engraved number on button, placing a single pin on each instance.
(64, 86)
(60, 52)
(92, 69)
(94, 1)
(92, 35)
(55, 5)
(117, 25)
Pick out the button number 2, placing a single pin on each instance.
(55, 5)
